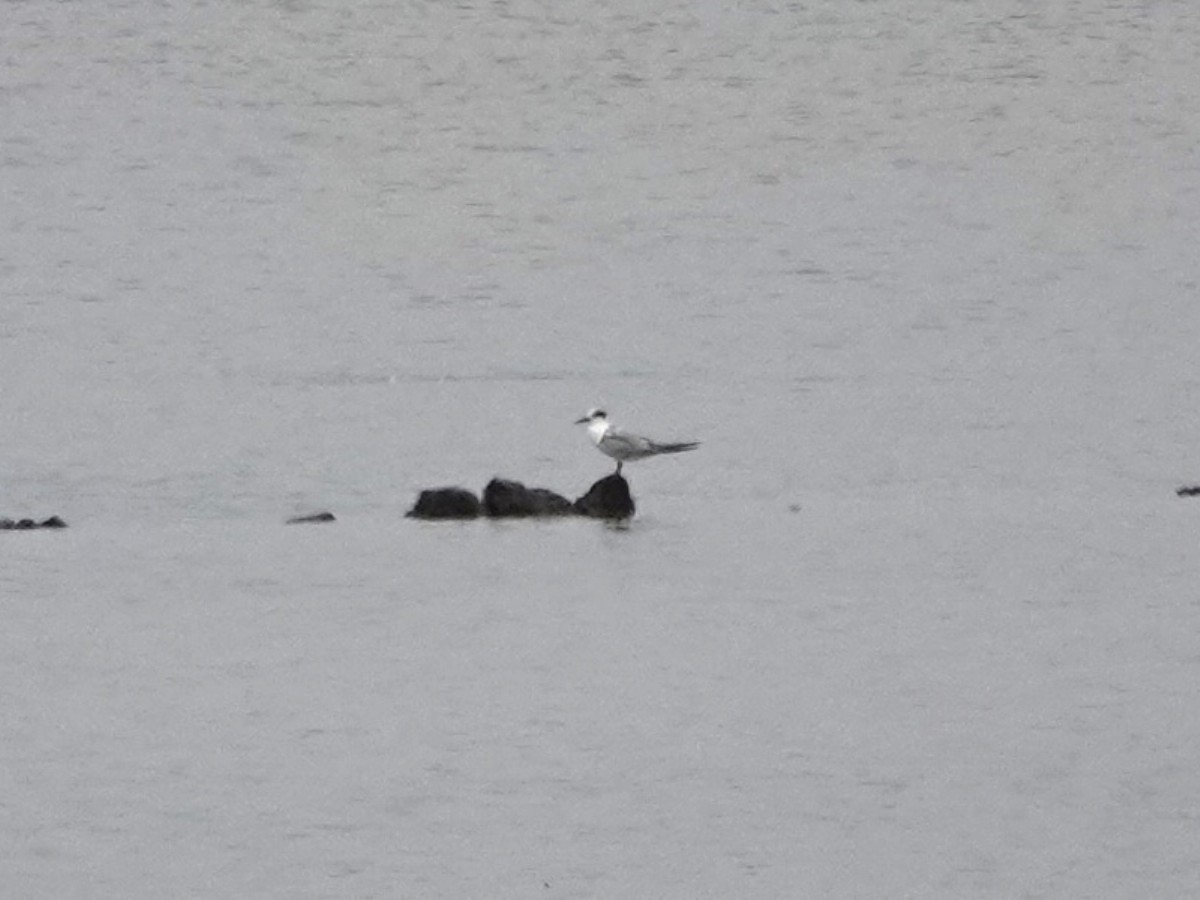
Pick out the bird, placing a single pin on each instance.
(623, 446)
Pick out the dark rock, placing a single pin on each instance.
(608, 498)
(1188, 491)
(30, 524)
(503, 498)
(550, 503)
(445, 503)
(311, 517)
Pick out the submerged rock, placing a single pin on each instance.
(30, 524)
(445, 503)
(504, 499)
(608, 498)
(312, 517)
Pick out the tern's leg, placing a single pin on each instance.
(618, 467)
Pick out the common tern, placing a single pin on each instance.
(623, 446)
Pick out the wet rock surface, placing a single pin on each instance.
(608, 498)
(503, 498)
(446, 503)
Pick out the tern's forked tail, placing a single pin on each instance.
(675, 448)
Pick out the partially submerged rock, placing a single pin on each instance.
(311, 518)
(503, 498)
(445, 503)
(1188, 491)
(30, 524)
(608, 498)
(511, 499)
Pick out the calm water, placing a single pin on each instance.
(919, 619)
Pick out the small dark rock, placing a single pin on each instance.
(312, 517)
(503, 498)
(1188, 491)
(608, 498)
(54, 522)
(445, 503)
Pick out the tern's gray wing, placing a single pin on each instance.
(623, 445)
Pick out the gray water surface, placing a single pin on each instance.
(919, 618)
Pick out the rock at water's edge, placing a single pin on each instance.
(445, 503)
(608, 498)
(1188, 491)
(503, 498)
